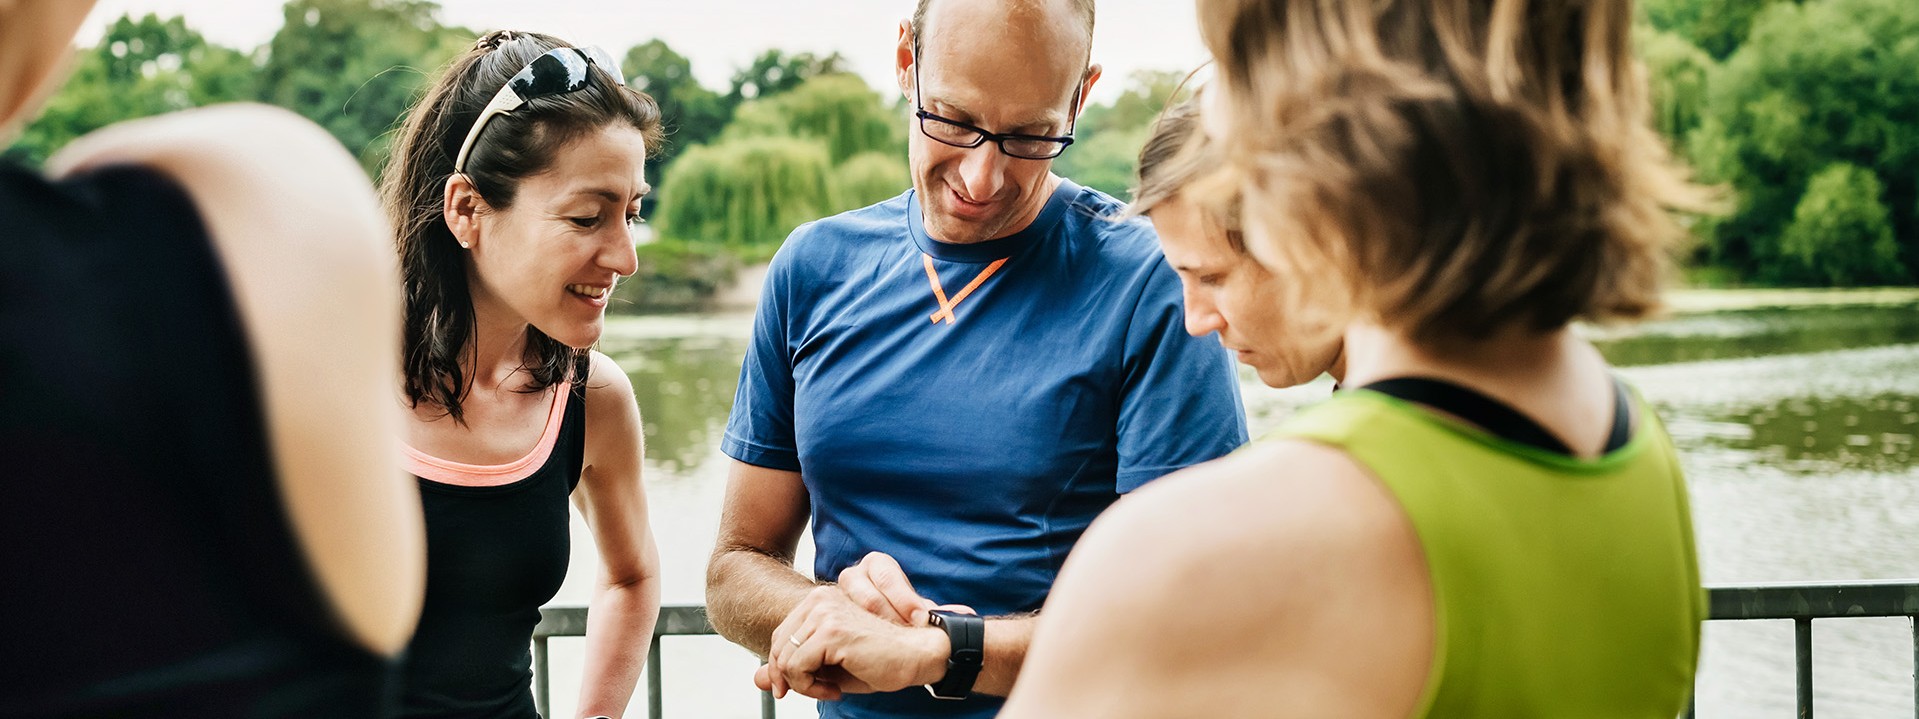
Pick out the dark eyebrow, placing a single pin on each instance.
(614, 197)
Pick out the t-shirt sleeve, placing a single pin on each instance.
(1181, 404)
(760, 429)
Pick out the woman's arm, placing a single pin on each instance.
(626, 597)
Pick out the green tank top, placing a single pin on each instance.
(1563, 587)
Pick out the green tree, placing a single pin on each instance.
(140, 68)
(1678, 72)
(1717, 26)
(774, 72)
(355, 66)
(837, 109)
(693, 114)
(1106, 160)
(1820, 83)
(1840, 233)
(868, 178)
(1147, 93)
(1105, 152)
(746, 193)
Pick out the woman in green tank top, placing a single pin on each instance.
(1486, 524)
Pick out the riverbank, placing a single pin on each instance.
(737, 321)
(1696, 301)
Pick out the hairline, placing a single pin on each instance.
(1083, 9)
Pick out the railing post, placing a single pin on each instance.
(653, 697)
(1915, 664)
(542, 696)
(766, 705)
(1802, 657)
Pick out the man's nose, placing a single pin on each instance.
(983, 172)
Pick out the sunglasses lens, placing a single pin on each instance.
(605, 62)
(556, 72)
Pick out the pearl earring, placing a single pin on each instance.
(465, 245)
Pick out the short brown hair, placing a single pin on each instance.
(1457, 168)
(1175, 154)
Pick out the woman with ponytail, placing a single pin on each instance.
(512, 187)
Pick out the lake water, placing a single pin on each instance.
(1796, 427)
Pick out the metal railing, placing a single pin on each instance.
(676, 620)
(1801, 603)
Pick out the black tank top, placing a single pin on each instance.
(149, 569)
(494, 554)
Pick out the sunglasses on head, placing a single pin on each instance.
(556, 72)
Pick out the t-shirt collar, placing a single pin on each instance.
(994, 249)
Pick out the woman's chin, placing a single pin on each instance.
(575, 334)
(1278, 378)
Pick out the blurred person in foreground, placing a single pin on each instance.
(949, 385)
(204, 514)
(513, 187)
(1488, 524)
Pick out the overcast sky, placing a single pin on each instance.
(721, 35)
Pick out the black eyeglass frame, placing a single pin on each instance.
(555, 72)
(981, 135)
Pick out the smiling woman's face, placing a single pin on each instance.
(553, 256)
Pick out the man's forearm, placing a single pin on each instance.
(748, 594)
(1006, 642)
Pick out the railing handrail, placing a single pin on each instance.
(1814, 600)
(1801, 602)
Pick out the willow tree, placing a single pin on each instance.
(837, 109)
(868, 178)
(1111, 134)
(746, 193)
(1678, 72)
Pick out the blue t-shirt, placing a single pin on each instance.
(974, 452)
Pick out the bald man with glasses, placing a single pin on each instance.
(951, 384)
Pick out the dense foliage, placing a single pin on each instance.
(1805, 111)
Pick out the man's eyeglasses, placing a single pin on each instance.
(559, 71)
(959, 134)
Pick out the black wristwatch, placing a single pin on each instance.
(968, 636)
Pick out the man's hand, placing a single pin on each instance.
(830, 645)
(881, 587)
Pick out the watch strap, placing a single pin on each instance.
(967, 634)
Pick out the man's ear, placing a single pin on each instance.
(903, 60)
(1086, 87)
